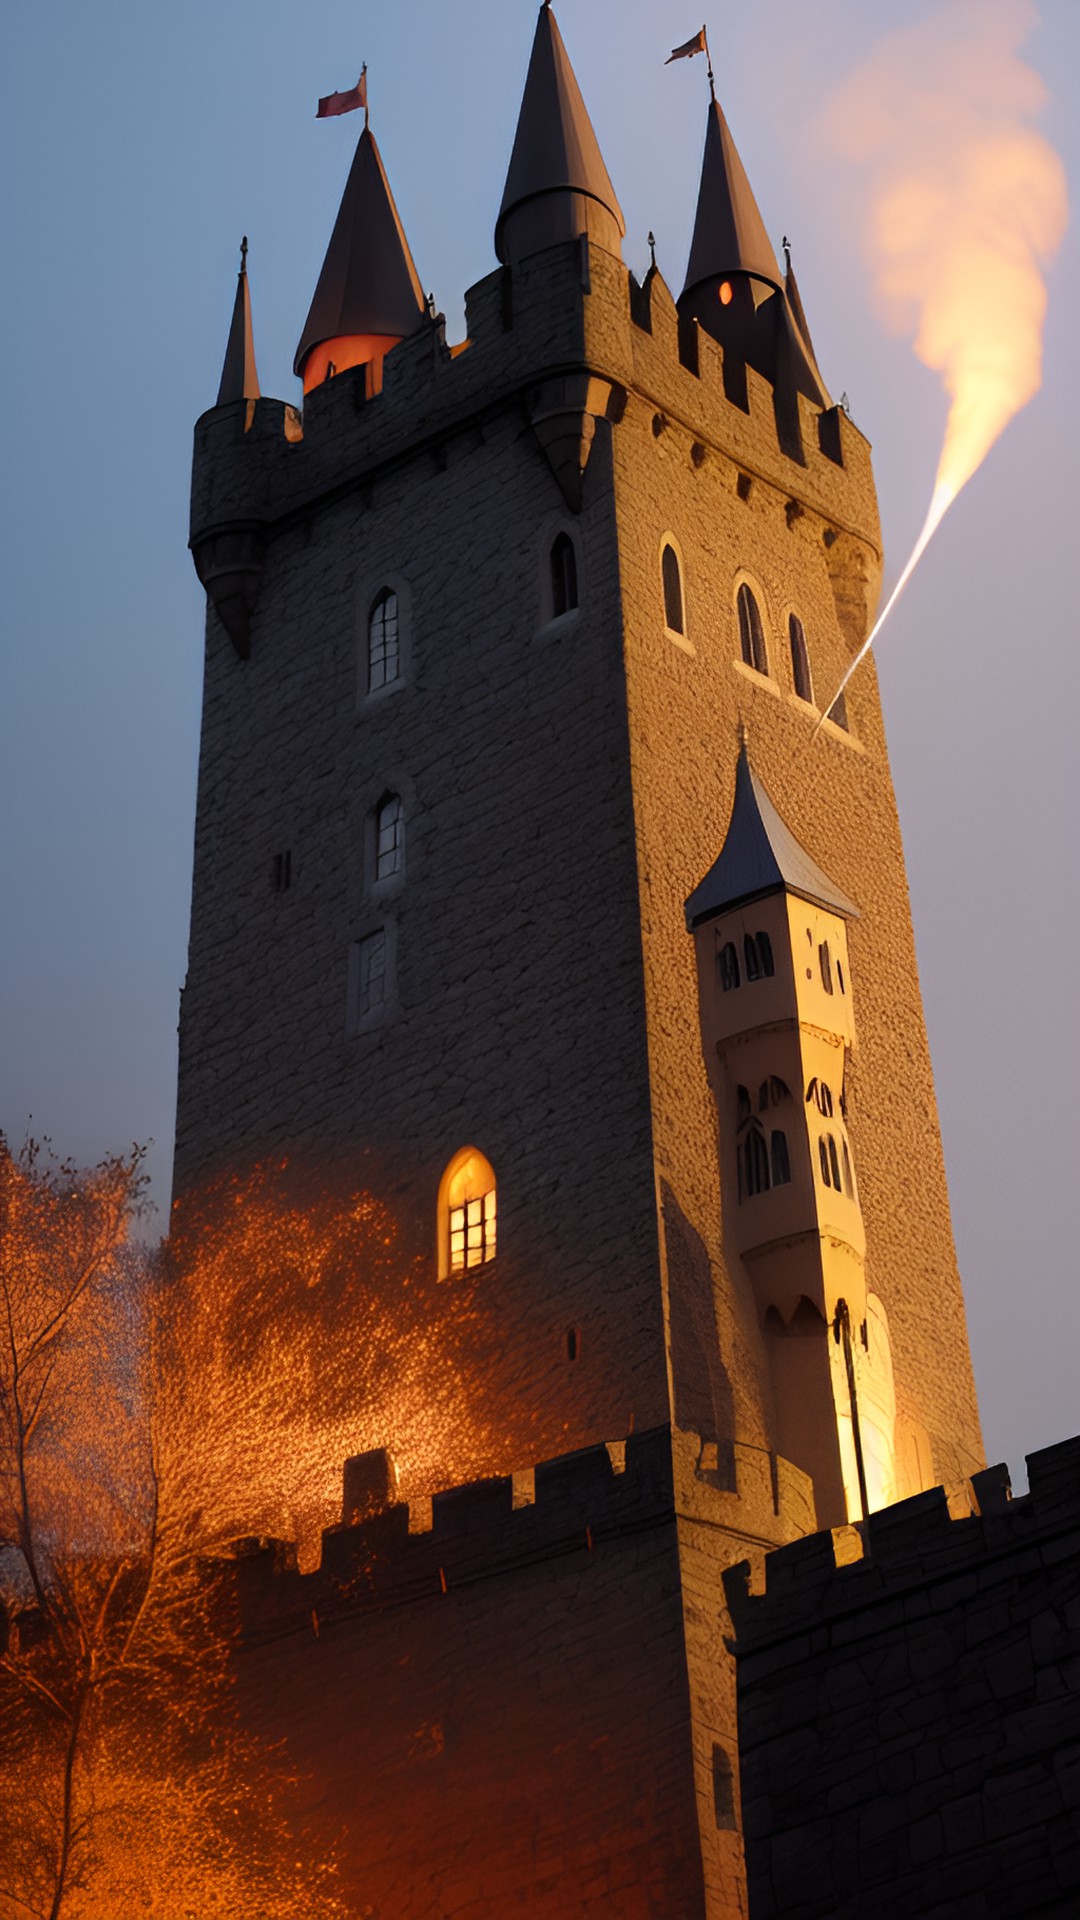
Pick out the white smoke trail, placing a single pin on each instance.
(965, 205)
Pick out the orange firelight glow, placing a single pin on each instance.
(966, 205)
(350, 350)
(726, 293)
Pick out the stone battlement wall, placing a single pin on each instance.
(570, 308)
(908, 1722)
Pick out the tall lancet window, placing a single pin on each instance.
(800, 659)
(751, 631)
(564, 590)
(384, 644)
(389, 836)
(671, 575)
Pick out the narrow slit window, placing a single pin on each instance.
(823, 1156)
(840, 977)
(751, 631)
(834, 1165)
(371, 977)
(742, 1104)
(750, 955)
(389, 836)
(800, 659)
(849, 1183)
(671, 573)
(765, 956)
(781, 1164)
(282, 872)
(755, 1157)
(564, 588)
(727, 962)
(824, 1100)
(825, 963)
(384, 641)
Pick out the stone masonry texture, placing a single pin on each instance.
(909, 1723)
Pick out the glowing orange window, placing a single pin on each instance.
(466, 1213)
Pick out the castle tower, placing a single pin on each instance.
(470, 752)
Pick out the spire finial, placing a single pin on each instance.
(652, 251)
(786, 244)
(744, 735)
(243, 254)
(363, 95)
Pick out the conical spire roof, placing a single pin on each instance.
(368, 283)
(555, 148)
(239, 379)
(760, 855)
(729, 232)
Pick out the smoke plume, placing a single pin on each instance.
(965, 205)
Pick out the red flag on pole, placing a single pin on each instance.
(697, 45)
(335, 103)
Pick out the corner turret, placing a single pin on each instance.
(368, 295)
(557, 187)
(735, 290)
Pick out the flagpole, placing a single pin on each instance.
(363, 82)
(708, 62)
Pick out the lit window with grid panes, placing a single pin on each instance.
(472, 1232)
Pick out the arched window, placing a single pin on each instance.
(671, 574)
(840, 977)
(751, 632)
(849, 1184)
(781, 1165)
(834, 1164)
(754, 1163)
(824, 1100)
(758, 955)
(389, 836)
(800, 659)
(823, 1156)
(466, 1213)
(384, 645)
(825, 963)
(742, 1104)
(727, 964)
(564, 595)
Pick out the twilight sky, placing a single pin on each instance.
(140, 142)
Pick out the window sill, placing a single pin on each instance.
(832, 727)
(680, 640)
(756, 679)
(558, 622)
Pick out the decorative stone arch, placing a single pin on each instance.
(744, 578)
(465, 1219)
(372, 585)
(680, 635)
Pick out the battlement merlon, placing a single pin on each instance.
(906, 1547)
(577, 1503)
(566, 311)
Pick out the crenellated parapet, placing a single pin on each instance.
(574, 1504)
(563, 341)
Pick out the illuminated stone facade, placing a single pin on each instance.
(521, 981)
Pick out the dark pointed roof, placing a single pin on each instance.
(802, 330)
(368, 282)
(760, 855)
(555, 146)
(239, 379)
(729, 232)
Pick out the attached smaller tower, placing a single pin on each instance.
(777, 1020)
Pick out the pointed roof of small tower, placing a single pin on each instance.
(729, 232)
(239, 379)
(555, 147)
(368, 282)
(802, 329)
(760, 855)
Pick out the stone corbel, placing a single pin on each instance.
(563, 412)
(229, 563)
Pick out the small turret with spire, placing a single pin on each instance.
(239, 379)
(557, 186)
(734, 286)
(368, 296)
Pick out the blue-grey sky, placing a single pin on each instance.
(140, 142)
